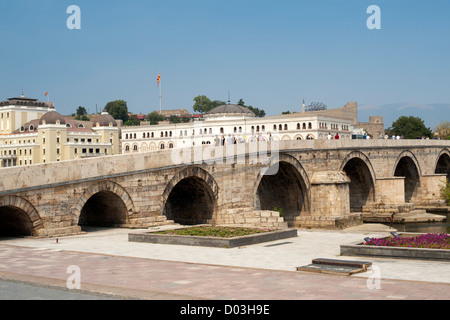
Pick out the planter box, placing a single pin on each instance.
(359, 249)
(151, 237)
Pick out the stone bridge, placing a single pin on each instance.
(316, 183)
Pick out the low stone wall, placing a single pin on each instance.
(151, 237)
(359, 249)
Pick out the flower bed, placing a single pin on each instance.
(424, 241)
(213, 236)
(409, 246)
(214, 231)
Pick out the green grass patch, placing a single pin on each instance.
(216, 231)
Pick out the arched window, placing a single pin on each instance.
(170, 145)
(298, 126)
(280, 127)
(135, 148)
(285, 127)
(304, 125)
(309, 125)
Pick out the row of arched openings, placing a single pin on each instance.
(193, 200)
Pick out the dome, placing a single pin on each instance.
(51, 118)
(104, 120)
(232, 110)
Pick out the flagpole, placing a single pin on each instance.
(160, 98)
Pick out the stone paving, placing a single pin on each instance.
(108, 263)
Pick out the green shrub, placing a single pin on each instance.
(445, 191)
(279, 210)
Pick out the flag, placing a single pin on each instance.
(159, 78)
(46, 94)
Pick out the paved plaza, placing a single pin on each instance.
(109, 264)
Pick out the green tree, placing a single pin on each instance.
(155, 117)
(443, 130)
(258, 112)
(81, 114)
(132, 121)
(174, 119)
(216, 103)
(410, 128)
(118, 110)
(202, 104)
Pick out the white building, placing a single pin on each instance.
(236, 124)
(15, 112)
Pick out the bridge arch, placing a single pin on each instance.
(359, 170)
(190, 197)
(18, 217)
(104, 204)
(408, 167)
(443, 163)
(284, 185)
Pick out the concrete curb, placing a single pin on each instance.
(151, 237)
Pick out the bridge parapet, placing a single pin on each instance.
(60, 173)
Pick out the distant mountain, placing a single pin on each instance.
(432, 114)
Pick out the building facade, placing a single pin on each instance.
(50, 137)
(236, 124)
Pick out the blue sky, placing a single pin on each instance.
(272, 54)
